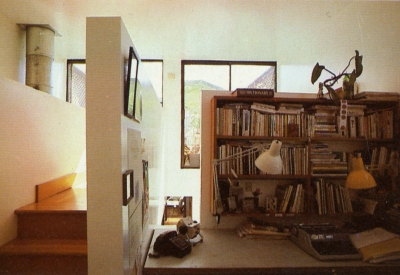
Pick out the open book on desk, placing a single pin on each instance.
(377, 245)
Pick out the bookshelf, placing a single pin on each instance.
(318, 138)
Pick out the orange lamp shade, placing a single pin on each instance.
(359, 178)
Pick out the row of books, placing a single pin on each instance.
(291, 198)
(379, 124)
(383, 155)
(294, 159)
(291, 120)
(241, 164)
(331, 197)
(324, 162)
(330, 127)
(249, 120)
(355, 124)
(277, 125)
(233, 120)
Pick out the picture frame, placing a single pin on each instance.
(127, 187)
(132, 68)
(146, 196)
(271, 204)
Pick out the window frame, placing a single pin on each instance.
(211, 62)
(70, 63)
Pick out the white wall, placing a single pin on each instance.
(104, 92)
(42, 138)
(114, 145)
(12, 53)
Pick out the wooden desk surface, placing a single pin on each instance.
(224, 252)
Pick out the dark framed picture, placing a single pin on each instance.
(146, 197)
(131, 83)
(127, 187)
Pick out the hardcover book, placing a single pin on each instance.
(377, 95)
(250, 92)
(377, 245)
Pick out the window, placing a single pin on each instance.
(76, 82)
(214, 75)
(76, 79)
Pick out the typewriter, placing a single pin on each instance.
(324, 242)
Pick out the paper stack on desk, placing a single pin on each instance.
(249, 229)
(377, 245)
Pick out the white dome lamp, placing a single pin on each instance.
(270, 161)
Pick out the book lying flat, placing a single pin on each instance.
(377, 245)
(376, 95)
(250, 230)
(383, 251)
(253, 92)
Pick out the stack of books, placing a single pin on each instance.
(377, 245)
(324, 121)
(263, 108)
(290, 108)
(327, 163)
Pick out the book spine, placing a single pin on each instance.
(268, 93)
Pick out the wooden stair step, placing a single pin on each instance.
(62, 216)
(22, 246)
(52, 237)
(38, 256)
(52, 225)
(73, 199)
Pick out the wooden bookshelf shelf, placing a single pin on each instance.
(315, 136)
(263, 177)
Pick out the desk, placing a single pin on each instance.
(224, 252)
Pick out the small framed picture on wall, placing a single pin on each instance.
(127, 187)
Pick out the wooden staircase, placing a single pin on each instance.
(51, 237)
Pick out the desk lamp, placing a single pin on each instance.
(270, 161)
(359, 178)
